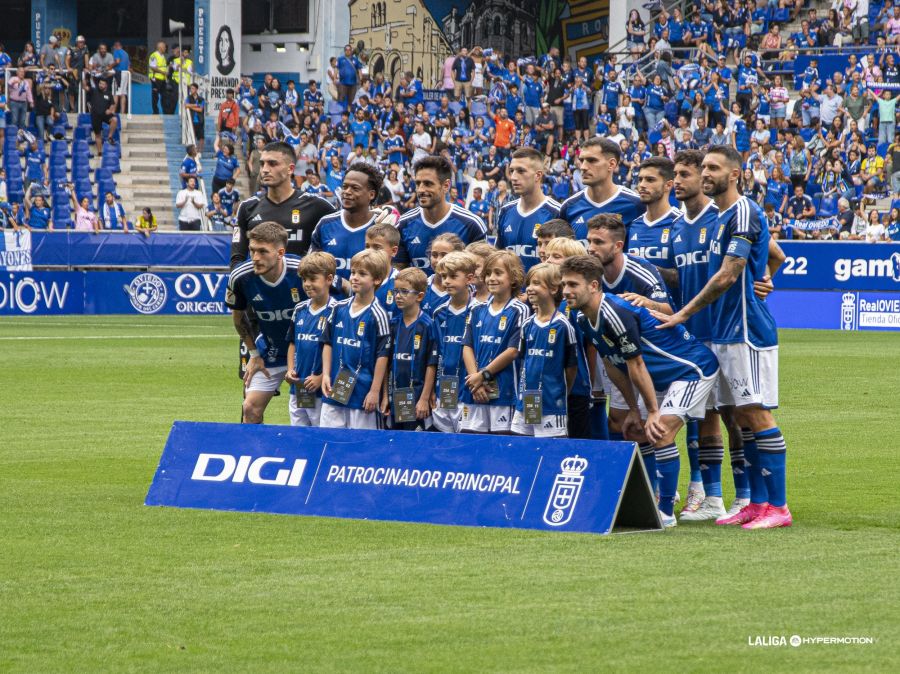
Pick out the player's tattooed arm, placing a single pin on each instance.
(722, 280)
(242, 327)
(670, 276)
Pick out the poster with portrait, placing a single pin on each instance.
(222, 50)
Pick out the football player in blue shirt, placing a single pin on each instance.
(549, 352)
(491, 348)
(343, 234)
(744, 336)
(457, 271)
(304, 354)
(520, 220)
(599, 162)
(356, 345)
(267, 282)
(479, 205)
(650, 235)
(671, 373)
(434, 215)
(414, 357)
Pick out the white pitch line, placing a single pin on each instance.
(45, 338)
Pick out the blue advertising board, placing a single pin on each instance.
(839, 266)
(469, 480)
(834, 310)
(119, 249)
(41, 293)
(107, 292)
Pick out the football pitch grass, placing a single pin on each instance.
(92, 580)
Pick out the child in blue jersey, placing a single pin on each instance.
(481, 251)
(385, 237)
(356, 344)
(491, 348)
(268, 283)
(304, 354)
(669, 372)
(457, 272)
(414, 358)
(549, 351)
(442, 245)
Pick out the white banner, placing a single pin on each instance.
(15, 250)
(223, 50)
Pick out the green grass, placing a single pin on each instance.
(91, 579)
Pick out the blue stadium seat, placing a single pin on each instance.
(478, 108)
(828, 206)
(782, 15)
(455, 107)
(82, 132)
(84, 119)
(881, 149)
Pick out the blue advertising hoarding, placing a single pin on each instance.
(839, 266)
(119, 249)
(469, 480)
(834, 310)
(77, 292)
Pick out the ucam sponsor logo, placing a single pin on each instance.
(259, 470)
(28, 295)
(846, 268)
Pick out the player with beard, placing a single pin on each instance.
(520, 220)
(599, 162)
(433, 216)
(650, 235)
(744, 337)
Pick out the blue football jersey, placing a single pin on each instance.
(624, 331)
(653, 240)
(547, 349)
(517, 231)
(230, 200)
(357, 341)
(739, 315)
(640, 277)
(414, 349)
(273, 303)
(416, 234)
(334, 236)
(578, 209)
(450, 330)
(690, 249)
(385, 293)
(305, 333)
(582, 385)
(489, 334)
(433, 297)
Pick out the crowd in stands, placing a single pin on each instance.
(821, 150)
(40, 95)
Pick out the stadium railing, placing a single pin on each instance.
(187, 128)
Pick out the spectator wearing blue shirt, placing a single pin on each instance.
(35, 164)
(513, 101)
(197, 106)
(348, 76)
(533, 92)
(463, 71)
(122, 68)
(312, 98)
(227, 166)
(189, 166)
(361, 128)
(37, 213)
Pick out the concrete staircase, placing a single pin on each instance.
(151, 160)
(144, 180)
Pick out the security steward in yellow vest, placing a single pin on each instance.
(183, 65)
(156, 70)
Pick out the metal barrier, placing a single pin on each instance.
(187, 128)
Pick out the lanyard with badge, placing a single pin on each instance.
(404, 399)
(492, 385)
(533, 399)
(448, 385)
(346, 378)
(307, 399)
